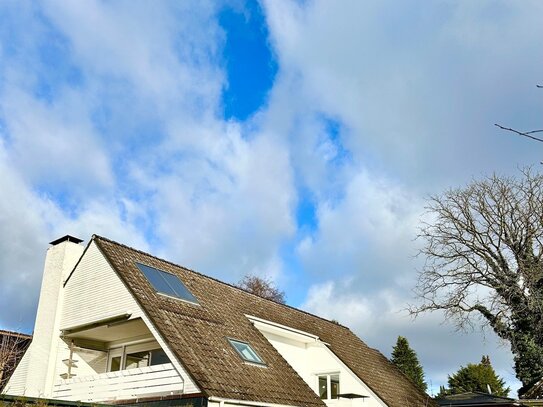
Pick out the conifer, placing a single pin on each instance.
(407, 361)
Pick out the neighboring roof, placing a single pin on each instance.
(475, 399)
(14, 334)
(13, 346)
(533, 392)
(198, 335)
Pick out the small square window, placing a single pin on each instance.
(246, 352)
(328, 386)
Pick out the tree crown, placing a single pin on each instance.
(476, 377)
(407, 361)
(263, 287)
(484, 262)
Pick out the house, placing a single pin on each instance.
(533, 391)
(117, 325)
(476, 399)
(532, 394)
(12, 348)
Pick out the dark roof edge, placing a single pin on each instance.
(154, 399)
(78, 261)
(15, 334)
(217, 280)
(479, 393)
(66, 238)
(142, 307)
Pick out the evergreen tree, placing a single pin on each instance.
(476, 378)
(406, 360)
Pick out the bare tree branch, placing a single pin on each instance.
(522, 133)
(484, 262)
(12, 348)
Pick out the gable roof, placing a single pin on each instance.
(198, 334)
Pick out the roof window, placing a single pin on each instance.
(166, 283)
(246, 352)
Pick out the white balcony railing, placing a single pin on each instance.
(159, 380)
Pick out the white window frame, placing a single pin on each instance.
(328, 384)
(124, 350)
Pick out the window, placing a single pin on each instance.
(137, 359)
(134, 356)
(166, 283)
(115, 364)
(246, 352)
(328, 386)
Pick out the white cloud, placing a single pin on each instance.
(163, 50)
(419, 87)
(416, 92)
(227, 210)
(29, 220)
(134, 149)
(368, 231)
(55, 144)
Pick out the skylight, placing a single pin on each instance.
(166, 283)
(245, 351)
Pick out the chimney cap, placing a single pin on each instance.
(67, 238)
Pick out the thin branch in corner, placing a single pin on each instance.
(520, 133)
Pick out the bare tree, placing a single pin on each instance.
(484, 262)
(263, 287)
(12, 348)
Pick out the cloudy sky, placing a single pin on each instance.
(292, 139)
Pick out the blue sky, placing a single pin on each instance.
(295, 140)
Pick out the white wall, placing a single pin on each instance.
(92, 293)
(17, 382)
(95, 292)
(36, 372)
(309, 357)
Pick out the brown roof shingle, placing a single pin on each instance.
(198, 335)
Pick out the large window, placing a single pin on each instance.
(328, 386)
(246, 352)
(133, 356)
(166, 283)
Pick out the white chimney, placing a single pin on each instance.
(60, 260)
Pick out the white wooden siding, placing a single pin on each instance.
(159, 380)
(95, 292)
(16, 384)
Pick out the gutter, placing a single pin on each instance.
(222, 402)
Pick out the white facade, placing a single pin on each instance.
(73, 344)
(35, 373)
(311, 358)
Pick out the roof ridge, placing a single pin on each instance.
(215, 279)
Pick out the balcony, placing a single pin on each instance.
(158, 380)
(116, 358)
